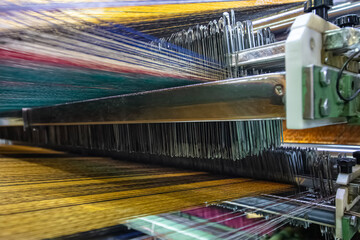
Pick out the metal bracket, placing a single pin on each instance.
(320, 98)
(346, 178)
(342, 202)
(342, 205)
(303, 48)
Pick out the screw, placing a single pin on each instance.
(312, 44)
(279, 90)
(325, 79)
(324, 107)
(353, 221)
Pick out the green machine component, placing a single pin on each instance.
(349, 227)
(321, 98)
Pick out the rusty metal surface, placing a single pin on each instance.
(336, 134)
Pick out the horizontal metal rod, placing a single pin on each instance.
(280, 23)
(320, 205)
(272, 56)
(264, 57)
(246, 98)
(332, 148)
(317, 216)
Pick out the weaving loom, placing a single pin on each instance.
(179, 119)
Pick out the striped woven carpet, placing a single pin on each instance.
(47, 194)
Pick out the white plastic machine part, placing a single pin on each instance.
(346, 178)
(342, 204)
(303, 48)
(342, 196)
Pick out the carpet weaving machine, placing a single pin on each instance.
(179, 119)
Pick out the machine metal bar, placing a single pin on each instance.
(265, 57)
(254, 97)
(272, 55)
(266, 205)
(342, 40)
(281, 22)
(332, 148)
(320, 205)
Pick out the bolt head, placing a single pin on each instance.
(353, 221)
(279, 90)
(312, 43)
(325, 107)
(325, 78)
